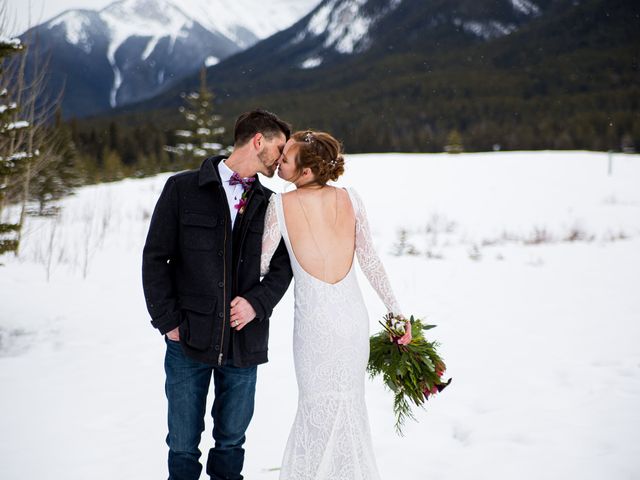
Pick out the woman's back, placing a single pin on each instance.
(321, 225)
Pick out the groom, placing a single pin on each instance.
(202, 257)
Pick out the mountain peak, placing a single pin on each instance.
(133, 49)
(155, 11)
(77, 25)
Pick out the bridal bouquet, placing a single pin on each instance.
(413, 372)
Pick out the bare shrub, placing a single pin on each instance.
(474, 253)
(538, 236)
(402, 246)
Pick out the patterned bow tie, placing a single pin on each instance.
(244, 181)
(246, 185)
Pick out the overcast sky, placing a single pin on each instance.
(42, 10)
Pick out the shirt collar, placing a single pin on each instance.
(207, 175)
(225, 171)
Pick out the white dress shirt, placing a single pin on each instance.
(234, 192)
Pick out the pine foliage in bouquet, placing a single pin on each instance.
(413, 372)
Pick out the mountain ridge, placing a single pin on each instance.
(149, 44)
(559, 78)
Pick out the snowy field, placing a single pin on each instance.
(529, 263)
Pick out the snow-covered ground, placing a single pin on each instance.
(529, 263)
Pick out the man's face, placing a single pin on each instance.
(270, 153)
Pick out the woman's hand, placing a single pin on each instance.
(406, 338)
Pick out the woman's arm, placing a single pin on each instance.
(372, 267)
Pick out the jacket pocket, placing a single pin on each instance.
(256, 336)
(198, 324)
(198, 231)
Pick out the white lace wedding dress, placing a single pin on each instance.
(330, 438)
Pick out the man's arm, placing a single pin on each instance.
(159, 252)
(266, 295)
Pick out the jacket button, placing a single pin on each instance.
(220, 314)
(217, 347)
(221, 284)
(220, 253)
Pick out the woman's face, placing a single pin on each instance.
(287, 168)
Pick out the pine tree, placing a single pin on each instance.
(113, 168)
(12, 157)
(61, 173)
(202, 133)
(454, 142)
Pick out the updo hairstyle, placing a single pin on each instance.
(321, 153)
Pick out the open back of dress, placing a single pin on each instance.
(322, 232)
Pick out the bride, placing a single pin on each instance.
(324, 228)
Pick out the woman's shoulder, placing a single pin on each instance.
(284, 196)
(353, 196)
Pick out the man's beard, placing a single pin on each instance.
(269, 170)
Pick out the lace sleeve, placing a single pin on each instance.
(369, 260)
(270, 237)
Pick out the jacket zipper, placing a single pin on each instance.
(227, 221)
(224, 291)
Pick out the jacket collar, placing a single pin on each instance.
(209, 174)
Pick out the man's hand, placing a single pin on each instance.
(241, 313)
(174, 335)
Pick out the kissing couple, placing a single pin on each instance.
(220, 253)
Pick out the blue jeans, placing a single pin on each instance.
(186, 386)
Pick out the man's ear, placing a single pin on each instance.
(258, 140)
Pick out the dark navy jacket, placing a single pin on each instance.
(194, 264)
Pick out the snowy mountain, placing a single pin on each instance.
(134, 49)
(348, 27)
(338, 31)
(237, 18)
(405, 75)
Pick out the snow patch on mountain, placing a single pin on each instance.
(311, 62)
(345, 24)
(525, 7)
(211, 61)
(75, 24)
(485, 30)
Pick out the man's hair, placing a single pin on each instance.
(258, 121)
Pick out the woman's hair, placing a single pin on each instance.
(319, 152)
